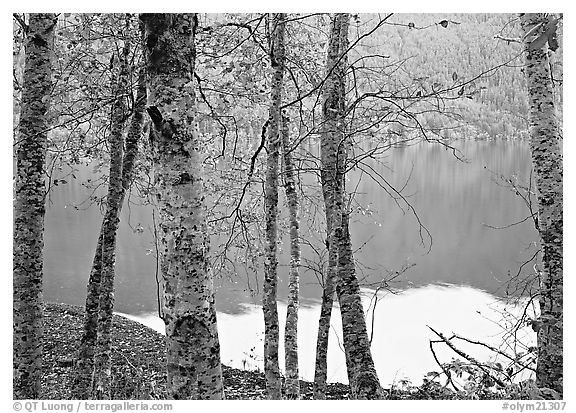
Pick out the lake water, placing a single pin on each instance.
(456, 287)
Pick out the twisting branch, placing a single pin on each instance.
(471, 359)
(493, 349)
(259, 149)
(446, 372)
(249, 177)
(214, 115)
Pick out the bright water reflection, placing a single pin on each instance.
(453, 199)
(400, 345)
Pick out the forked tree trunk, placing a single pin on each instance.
(102, 358)
(192, 346)
(82, 383)
(545, 144)
(269, 304)
(29, 207)
(292, 385)
(331, 175)
(362, 375)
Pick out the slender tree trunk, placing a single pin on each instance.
(545, 144)
(192, 346)
(362, 375)
(331, 176)
(82, 382)
(102, 359)
(321, 366)
(84, 366)
(292, 386)
(364, 383)
(29, 207)
(269, 305)
(134, 134)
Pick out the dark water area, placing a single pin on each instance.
(457, 202)
(454, 200)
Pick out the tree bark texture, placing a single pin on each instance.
(292, 384)
(545, 144)
(29, 207)
(269, 304)
(331, 177)
(192, 346)
(82, 381)
(362, 375)
(101, 389)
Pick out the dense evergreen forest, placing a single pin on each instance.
(241, 132)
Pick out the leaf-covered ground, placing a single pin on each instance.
(138, 362)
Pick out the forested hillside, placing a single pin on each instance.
(445, 50)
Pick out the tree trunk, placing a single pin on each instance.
(84, 366)
(545, 144)
(331, 175)
(269, 305)
(29, 207)
(292, 385)
(192, 346)
(364, 383)
(321, 366)
(82, 384)
(102, 360)
(362, 375)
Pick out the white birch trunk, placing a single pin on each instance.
(330, 176)
(362, 375)
(545, 144)
(292, 385)
(192, 346)
(269, 304)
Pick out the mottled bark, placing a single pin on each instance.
(134, 134)
(362, 375)
(29, 207)
(269, 304)
(84, 366)
(192, 346)
(545, 144)
(364, 383)
(321, 364)
(292, 384)
(102, 358)
(82, 381)
(331, 177)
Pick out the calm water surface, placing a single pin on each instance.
(456, 286)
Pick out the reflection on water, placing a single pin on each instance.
(400, 344)
(454, 200)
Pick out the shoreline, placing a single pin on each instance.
(138, 365)
(138, 361)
